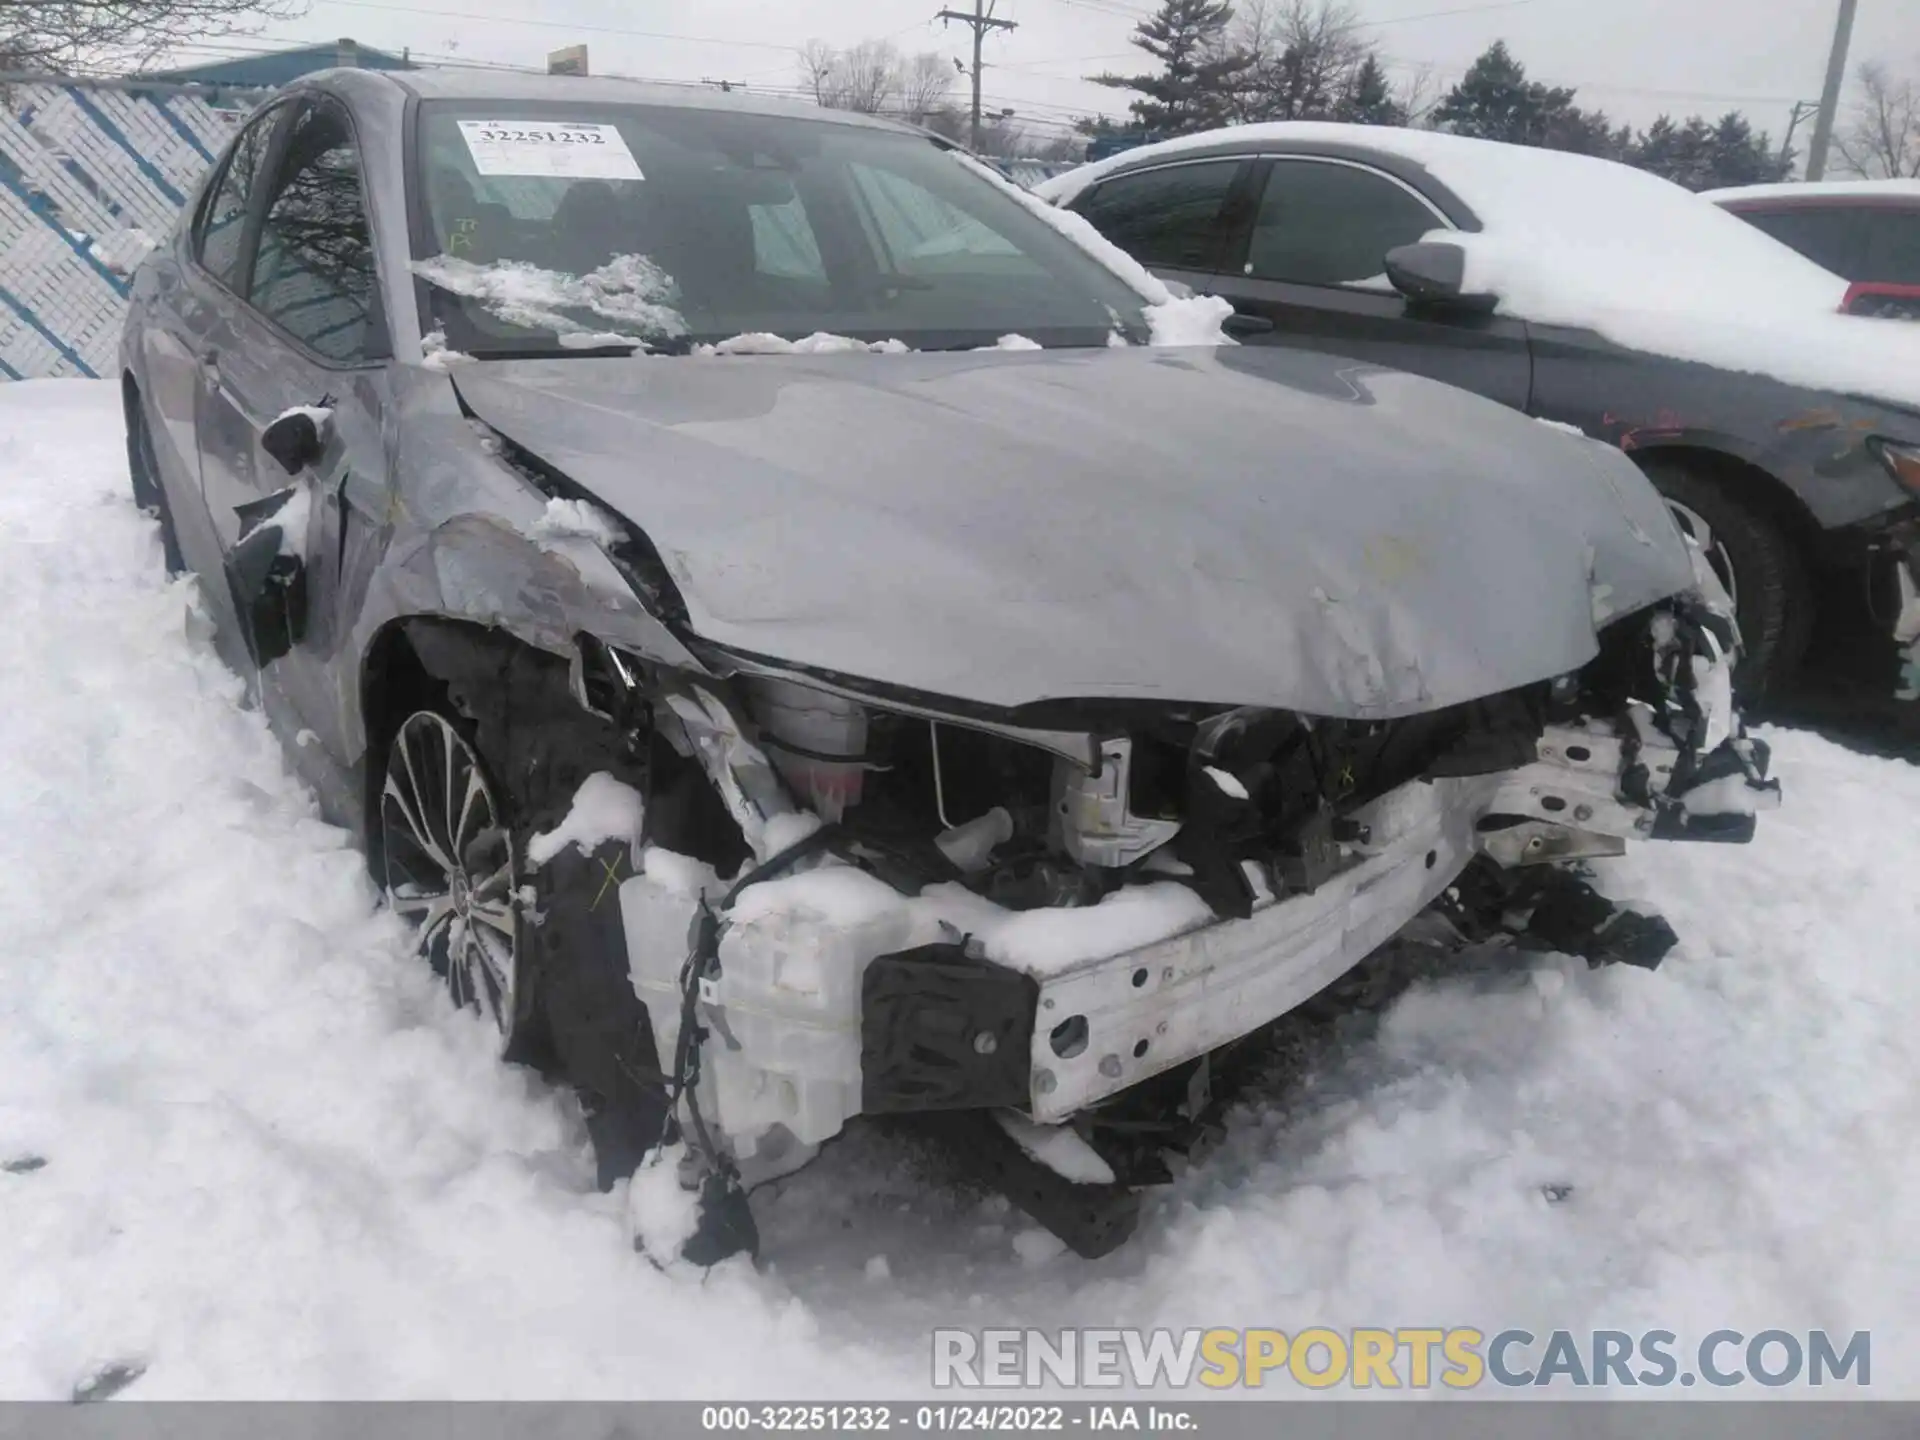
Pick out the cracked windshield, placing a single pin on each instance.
(581, 229)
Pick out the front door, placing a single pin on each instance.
(1312, 268)
(305, 330)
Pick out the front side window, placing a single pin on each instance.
(556, 228)
(223, 219)
(1327, 224)
(314, 274)
(1173, 216)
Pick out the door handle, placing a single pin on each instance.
(1241, 323)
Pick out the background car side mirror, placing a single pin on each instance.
(1432, 272)
(294, 440)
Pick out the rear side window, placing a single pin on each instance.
(1862, 243)
(314, 276)
(1172, 216)
(223, 221)
(1324, 224)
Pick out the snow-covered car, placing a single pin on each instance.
(1865, 231)
(1785, 434)
(809, 630)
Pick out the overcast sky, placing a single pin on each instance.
(1633, 58)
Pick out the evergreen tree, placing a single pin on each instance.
(1194, 86)
(1368, 99)
(1704, 156)
(1496, 101)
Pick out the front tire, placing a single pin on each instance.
(1761, 568)
(451, 866)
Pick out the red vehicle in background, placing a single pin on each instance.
(1867, 231)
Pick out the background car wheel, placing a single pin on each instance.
(1760, 567)
(451, 866)
(148, 493)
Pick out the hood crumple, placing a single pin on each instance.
(1259, 527)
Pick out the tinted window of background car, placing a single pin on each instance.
(1327, 224)
(697, 225)
(223, 221)
(1877, 243)
(314, 274)
(1170, 216)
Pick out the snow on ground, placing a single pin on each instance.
(276, 1164)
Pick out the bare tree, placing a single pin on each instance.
(924, 83)
(1419, 94)
(1305, 56)
(869, 76)
(1882, 139)
(818, 61)
(62, 36)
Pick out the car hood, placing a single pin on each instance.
(1235, 526)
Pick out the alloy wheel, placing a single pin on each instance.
(450, 866)
(1714, 548)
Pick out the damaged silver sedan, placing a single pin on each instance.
(806, 631)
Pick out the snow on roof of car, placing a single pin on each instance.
(1588, 243)
(1820, 190)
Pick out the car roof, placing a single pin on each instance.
(1824, 192)
(475, 84)
(1372, 145)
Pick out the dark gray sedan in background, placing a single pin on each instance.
(796, 648)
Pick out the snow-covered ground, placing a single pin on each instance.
(276, 1164)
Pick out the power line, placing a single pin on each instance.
(562, 25)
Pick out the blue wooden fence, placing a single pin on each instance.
(92, 174)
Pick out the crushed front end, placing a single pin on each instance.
(1011, 924)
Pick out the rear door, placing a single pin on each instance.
(1180, 219)
(1312, 267)
(303, 327)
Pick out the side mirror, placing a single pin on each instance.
(1432, 272)
(294, 440)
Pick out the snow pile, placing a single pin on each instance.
(1572, 240)
(759, 342)
(273, 1161)
(628, 289)
(1819, 190)
(603, 809)
(435, 355)
(1039, 942)
(578, 519)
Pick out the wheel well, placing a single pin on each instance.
(415, 662)
(1771, 496)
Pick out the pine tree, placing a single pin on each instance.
(1368, 99)
(1198, 69)
(1496, 101)
(1704, 156)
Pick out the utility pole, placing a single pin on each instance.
(1802, 110)
(1830, 97)
(982, 21)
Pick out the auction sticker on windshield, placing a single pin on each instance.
(549, 147)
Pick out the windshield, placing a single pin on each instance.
(570, 228)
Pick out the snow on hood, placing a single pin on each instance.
(1241, 526)
(1572, 240)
